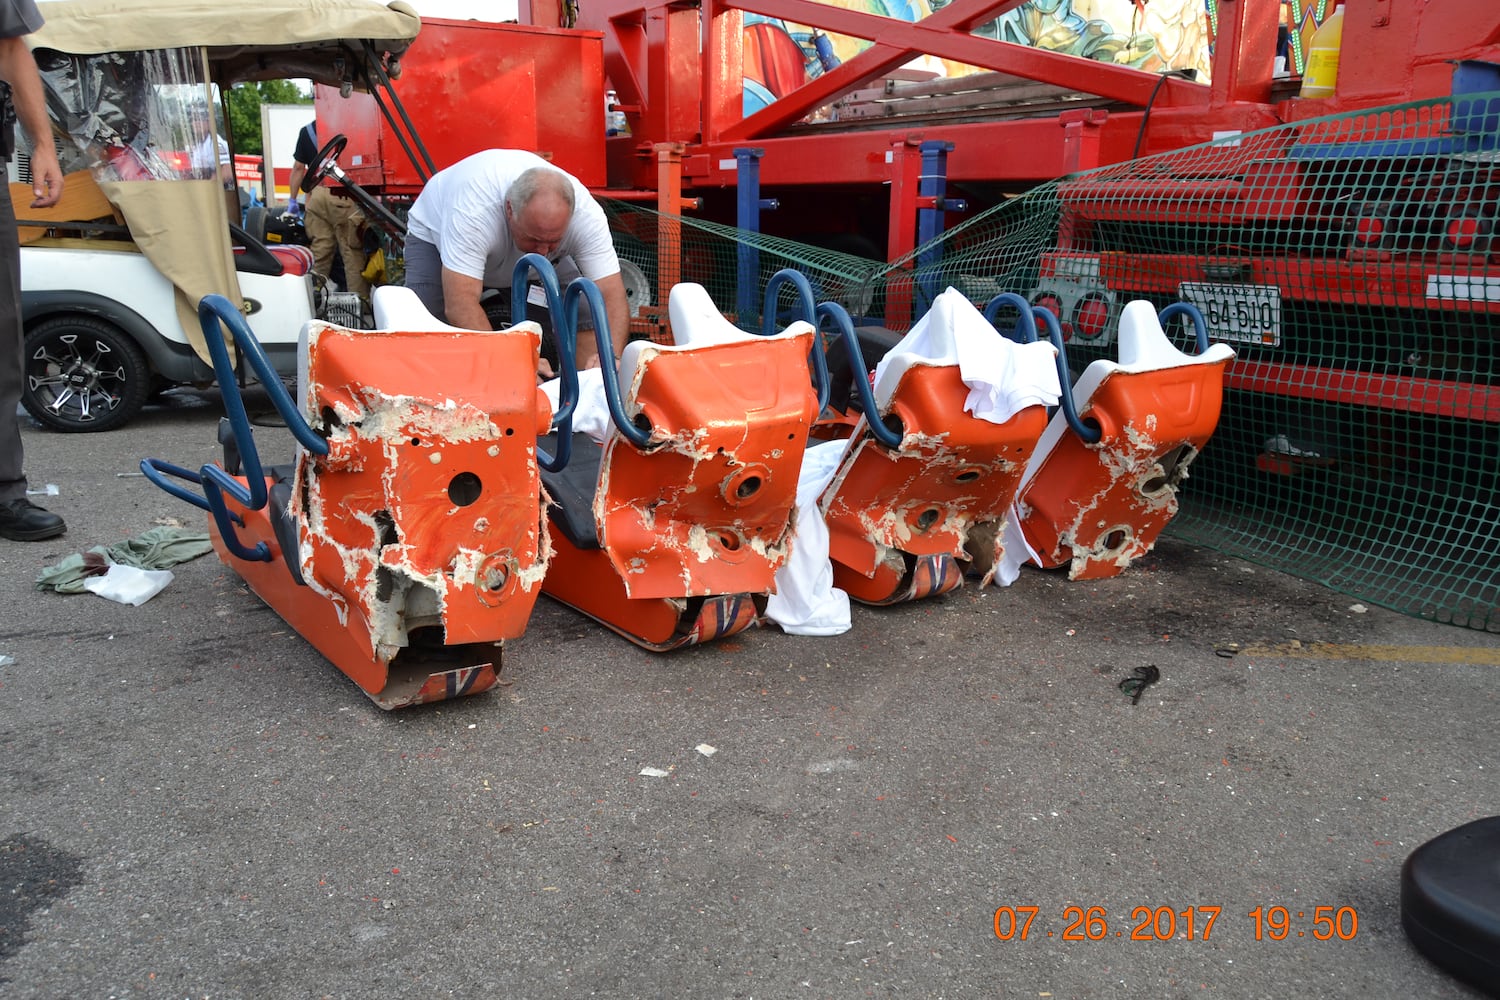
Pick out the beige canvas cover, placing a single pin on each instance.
(181, 228)
(256, 40)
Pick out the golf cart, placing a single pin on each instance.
(112, 275)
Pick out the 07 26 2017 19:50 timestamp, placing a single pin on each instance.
(1166, 923)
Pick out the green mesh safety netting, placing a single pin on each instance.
(1351, 262)
(734, 265)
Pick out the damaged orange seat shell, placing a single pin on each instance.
(908, 518)
(1097, 507)
(953, 473)
(420, 533)
(704, 510)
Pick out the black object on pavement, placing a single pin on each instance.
(1140, 678)
(1450, 902)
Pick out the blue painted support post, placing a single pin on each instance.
(932, 204)
(749, 206)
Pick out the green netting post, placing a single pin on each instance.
(750, 205)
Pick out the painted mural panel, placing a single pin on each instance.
(1156, 36)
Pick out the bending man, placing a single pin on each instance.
(474, 220)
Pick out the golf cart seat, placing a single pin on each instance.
(82, 201)
(1096, 506)
(294, 260)
(279, 259)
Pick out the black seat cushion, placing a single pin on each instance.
(572, 490)
(875, 342)
(282, 522)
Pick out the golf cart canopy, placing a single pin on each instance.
(271, 39)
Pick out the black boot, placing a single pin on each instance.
(23, 521)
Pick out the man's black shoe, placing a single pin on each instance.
(23, 521)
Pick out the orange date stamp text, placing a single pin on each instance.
(1170, 923)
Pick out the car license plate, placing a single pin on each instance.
(1245, 313)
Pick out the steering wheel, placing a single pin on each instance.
(318, 169)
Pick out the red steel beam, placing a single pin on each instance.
(1410, 281)
(1433, 397)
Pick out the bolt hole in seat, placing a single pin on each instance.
(1096, 507)
(426, 511)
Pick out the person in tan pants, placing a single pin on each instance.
(335, 219)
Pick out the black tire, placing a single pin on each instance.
(255, 223)
(637, 269)
(83, 375)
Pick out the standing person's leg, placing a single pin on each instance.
(320, 223)
(12, 475)
(20, 519)
(348, 219)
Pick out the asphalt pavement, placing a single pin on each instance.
(193, 803)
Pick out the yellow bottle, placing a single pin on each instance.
(1323, 57)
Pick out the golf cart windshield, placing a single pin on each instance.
(132, 116)
(130, 94)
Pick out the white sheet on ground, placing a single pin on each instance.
(1015, 550)
(1003, 377)
(129, 585)
(806, 602)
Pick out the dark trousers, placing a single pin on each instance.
(424, 276)
(12, 478)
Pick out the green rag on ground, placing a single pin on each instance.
(155, 548)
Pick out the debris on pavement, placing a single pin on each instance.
(129, 584)
(153, 549)
(1140, 678)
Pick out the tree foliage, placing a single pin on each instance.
(244, 103)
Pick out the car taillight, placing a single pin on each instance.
(1051, 303)
(1460, 232)
(1090, 316)
(1369, 229)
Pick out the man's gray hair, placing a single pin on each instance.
(536, 180)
